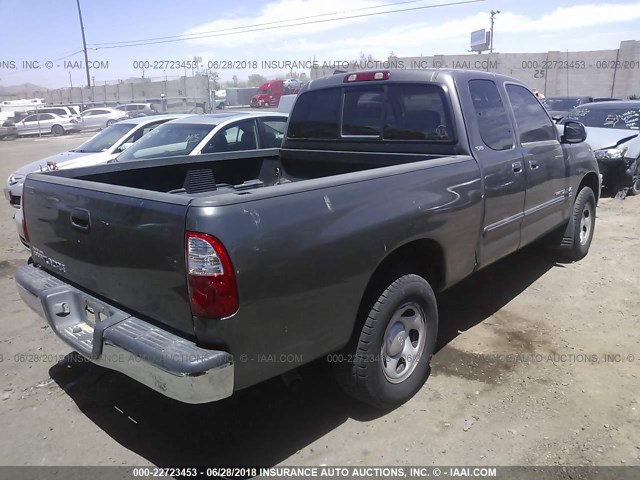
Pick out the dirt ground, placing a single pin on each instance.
(538, 365)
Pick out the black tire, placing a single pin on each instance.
(366, 370)
(58, 130)
(579, 232)
(634, 189)
(221, 106)
(110, 122)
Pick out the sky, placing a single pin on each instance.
(281, 30)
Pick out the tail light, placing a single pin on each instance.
(212, 283)
(365, 76)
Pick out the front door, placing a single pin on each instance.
(548, 197)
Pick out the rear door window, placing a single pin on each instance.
(491, 114)
(273, 132)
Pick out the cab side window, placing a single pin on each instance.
(532, 122)
(491, 114)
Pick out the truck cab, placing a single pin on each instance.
(269, 93)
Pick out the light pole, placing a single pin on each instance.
(84, 44)
(493, 15)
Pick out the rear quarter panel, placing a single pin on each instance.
(303, 258)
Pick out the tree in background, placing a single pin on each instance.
(215, 78)
(255, 80)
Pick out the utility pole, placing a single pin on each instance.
(493, 15)
(84, 45)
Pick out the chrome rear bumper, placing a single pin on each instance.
(111, 338)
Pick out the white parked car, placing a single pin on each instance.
(218, 132)
(96, 118)
(101, 148)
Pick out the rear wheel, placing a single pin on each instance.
(388, 361)
(57, 130)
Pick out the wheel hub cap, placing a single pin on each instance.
(586, 221)
(404, 341)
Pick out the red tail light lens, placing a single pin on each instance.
(212, 282)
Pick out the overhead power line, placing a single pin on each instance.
(249, 28)
(186, 35)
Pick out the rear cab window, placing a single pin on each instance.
(383, 113)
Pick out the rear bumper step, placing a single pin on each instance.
(111, 338)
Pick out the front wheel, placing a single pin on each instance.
(389, 360)
(579, 232)
(110, 122)
(634, 189)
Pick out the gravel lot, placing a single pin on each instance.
(522, 376)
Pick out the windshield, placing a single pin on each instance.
(560, 104)
(105, 139)
(167, 140)
(622, 118)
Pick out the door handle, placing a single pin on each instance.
(533, 164)
(517, 167)
(81, 219)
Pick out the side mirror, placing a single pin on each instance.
(574, 132)
(123, 147)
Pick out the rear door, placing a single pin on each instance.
(126, 249)
(493, 144)
(88, 119)
(547, 198)
(46, 121)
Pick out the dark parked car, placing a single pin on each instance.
(558, 107)
(613, 130)
(202, 275)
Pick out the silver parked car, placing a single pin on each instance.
(45, 123)
(135, 107)
(63, 111)
(201, 134)
(94, 118)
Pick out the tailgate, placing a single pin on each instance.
(127, 249)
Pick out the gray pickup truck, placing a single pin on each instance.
(201, 276)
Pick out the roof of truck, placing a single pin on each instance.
(410, 75)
